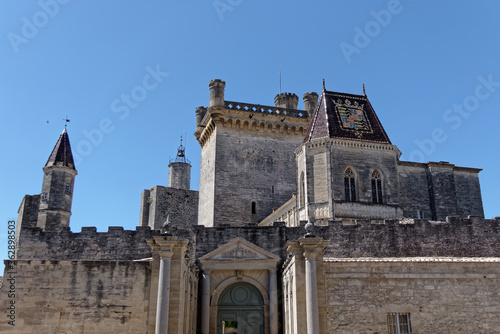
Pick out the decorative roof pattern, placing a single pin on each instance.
(61, 154)
(347, 116)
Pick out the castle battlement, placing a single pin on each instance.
(116, 244)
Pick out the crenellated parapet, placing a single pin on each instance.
(283, 118)
(250, 117)
(116, 244)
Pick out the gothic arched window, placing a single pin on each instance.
(376, 187)
(350, 185)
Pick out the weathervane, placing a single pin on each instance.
(66, 121)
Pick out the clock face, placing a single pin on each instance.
(353, 118)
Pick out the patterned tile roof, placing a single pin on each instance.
(61, 154)
(347, 116)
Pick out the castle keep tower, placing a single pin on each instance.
(57, 188)
(247, 161)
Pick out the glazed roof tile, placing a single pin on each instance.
(346, 116)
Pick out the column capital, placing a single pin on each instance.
(294, 248)
(273, 271)
(164, 245)
(313, 247)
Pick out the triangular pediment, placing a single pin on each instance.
(237, 250)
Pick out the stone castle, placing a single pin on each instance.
(305, 221)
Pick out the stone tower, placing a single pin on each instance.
(346, 151)
(179, 170)
(57, 188)
(247, 160)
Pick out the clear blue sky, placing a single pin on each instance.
(431, 71)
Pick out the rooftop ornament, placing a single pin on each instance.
(309, 229)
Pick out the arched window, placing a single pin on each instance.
(376, 187)
(350, 185)
(302, 192)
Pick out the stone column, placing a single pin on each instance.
(162, 307)
(312, 248)
(205, 303)
(273, 301)
(311, 293)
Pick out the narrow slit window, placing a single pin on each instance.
(254, 208)
(302, 192)
(376, 187)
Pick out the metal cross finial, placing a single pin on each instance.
(66, 121)
(323, 83)
(364, 93)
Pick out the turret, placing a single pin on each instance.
(286, 100)
(217, 93)
(57, 188)
(179, 170)
(200, 113)
(310, 102)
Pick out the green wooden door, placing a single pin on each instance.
(240, 310)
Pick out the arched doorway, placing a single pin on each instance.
(240, 310)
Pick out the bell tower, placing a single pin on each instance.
(179, 170)
(57, 188)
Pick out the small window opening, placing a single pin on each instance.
(420, 214)
(399, 323)
(254, 208)
(67, 189)
(229, 327)
(45, 196)
(376, 187)
(302, 192)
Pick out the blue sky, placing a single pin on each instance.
(431, 71)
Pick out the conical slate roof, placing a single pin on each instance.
(346, 116)
(61, 154)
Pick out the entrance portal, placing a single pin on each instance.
(240, 310)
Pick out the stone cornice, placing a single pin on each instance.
(253, 118)
(441, 164)
(349, 143)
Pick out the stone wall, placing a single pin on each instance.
(158, 203)
(78, 297)
(267, 159)
(468, 190)
(271, 238)
(393, 238)
(439, 189)
(116, 244)
(207, 182)
(441, 295)
(414, 190)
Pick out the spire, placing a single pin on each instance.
(61, 154)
